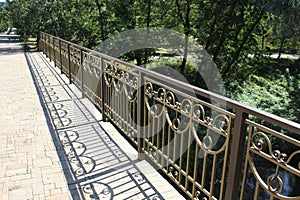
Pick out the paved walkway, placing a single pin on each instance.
(55, 144)
(29, 165)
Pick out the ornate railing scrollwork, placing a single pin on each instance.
(173, 173)
(261, 146)
(185, 120)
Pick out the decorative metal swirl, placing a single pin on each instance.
(107, 77)
(182, 123)
(260, 142)
(153, 153)
(220, 123)
(186, 106)
(122, 81)
(118, 85)
(131, 93)
(260, 139)
(173, 173)
(160, 95)
(197, 196)
(156, 110)
(170, 99)
(275, 184)
(293, 155)
(208, 142)
(198, 112)
(149, 90)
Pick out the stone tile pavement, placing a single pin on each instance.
(29, 164)
(56, 146)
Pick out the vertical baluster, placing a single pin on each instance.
(44, 43)
(60, 57)
(54, 54)
(236, 155)
(49, 48)
(47, 45)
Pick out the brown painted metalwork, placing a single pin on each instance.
(204, 149)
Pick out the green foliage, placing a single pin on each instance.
(228, 30)
(4, 19)
(269, 95)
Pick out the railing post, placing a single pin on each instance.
(69, 65)
(54, 54)
(103, 89)
(38, 41)
(236, 155)
(49, 48)
(60, 58)
(82, 72)
(45, 44)
(140, 116)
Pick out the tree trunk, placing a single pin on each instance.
(185, 54)
(101, 24)
(244, 40)
(148, 25)
(225, 30)
(281, 47)
(187, 30)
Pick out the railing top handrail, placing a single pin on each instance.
(282, 122)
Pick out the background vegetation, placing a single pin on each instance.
(229, 30)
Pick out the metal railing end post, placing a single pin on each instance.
(236, 156)
(140, 116)
(82, 73)
(103, 90)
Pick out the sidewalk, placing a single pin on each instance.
(29, 165)
(56, 144)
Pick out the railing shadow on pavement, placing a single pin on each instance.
(94, 165)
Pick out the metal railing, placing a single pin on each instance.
(206, 150)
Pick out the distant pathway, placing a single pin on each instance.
(29, 164)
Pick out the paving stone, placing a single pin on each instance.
(20, 193)
(38, 188)
(24, 132)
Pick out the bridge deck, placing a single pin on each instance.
(54, 143)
